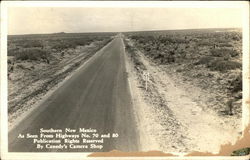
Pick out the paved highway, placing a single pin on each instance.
(97, 96)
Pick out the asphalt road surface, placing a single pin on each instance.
(97, 96)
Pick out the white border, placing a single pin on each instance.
(109, 4)
(3, 82)
(246, 67)
(130, 4)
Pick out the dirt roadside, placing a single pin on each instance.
(169, 113)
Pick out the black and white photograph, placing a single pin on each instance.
(131, 79)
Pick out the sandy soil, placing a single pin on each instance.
(172, 116)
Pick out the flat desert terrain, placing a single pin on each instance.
(173, 90)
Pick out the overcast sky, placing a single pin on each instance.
(52, 20)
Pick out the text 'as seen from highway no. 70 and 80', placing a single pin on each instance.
(72, 139)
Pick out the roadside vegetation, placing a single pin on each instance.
(210, 59)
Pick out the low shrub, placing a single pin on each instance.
(70, 43)
(32, 54)
(236, 84)
(222, 39)
(60, 46)
(129, 48)
(222, 65)
(236, 38)
(225, 45)
(223, 52)
(30, 43)
(204, 60)
(12, 51)
(205, 43)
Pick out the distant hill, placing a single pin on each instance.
(59, 33)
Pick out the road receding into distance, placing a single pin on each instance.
(97, 96)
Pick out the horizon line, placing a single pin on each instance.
(62, 32)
